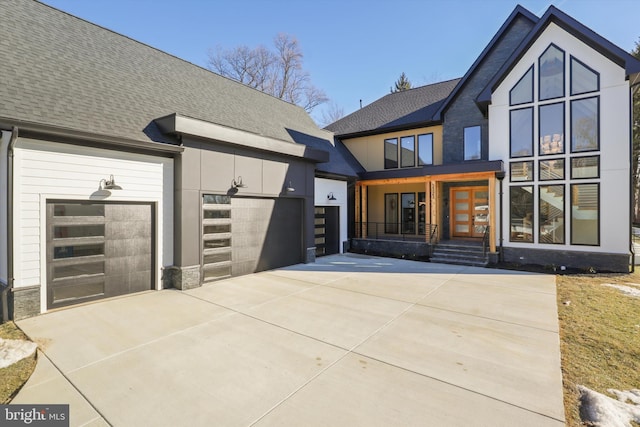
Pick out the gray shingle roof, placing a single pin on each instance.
(395, 110)
(62, 71)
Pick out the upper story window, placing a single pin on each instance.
(407, 151)
(521, 121)
(391, 153)
(425, 149)
(551, 128)
(551, 66)
(403, 153)
(583, 78)
(522, 92)
(584, 124)
(472, 143)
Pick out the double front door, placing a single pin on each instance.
(469, 211)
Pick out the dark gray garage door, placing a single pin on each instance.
(98, 250)
(246, 235)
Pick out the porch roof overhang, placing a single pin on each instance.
(469, 170)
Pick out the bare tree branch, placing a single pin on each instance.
(278, 73)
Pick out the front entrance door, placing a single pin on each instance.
(469, 211)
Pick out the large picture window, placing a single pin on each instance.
(551, 66)
(391, 153)
(566, 126)
(472, 143)
(551, 124)
(521, 214)
(425, 149)
(521, 123)
(551, 217)
(584, 125)
(585, 214)
(407, 151)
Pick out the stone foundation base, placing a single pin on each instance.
(182, 278)
(397, 249)
(24, 302)
(572, 260)
(311, 255)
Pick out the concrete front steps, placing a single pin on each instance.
(460, 253)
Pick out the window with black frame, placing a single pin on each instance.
(521, 214)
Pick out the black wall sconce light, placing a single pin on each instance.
(109, 184)
(237, 183)
(330, 196)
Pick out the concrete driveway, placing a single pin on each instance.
(348, 341)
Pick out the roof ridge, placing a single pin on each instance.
(162, 52)
(422, 86)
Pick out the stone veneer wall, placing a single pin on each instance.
(25, 302)
(572, 260)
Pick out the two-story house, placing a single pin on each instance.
(527, 155)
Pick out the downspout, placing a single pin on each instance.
(500, 176)
(10, 278)
(631, 175)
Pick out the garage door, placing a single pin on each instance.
(246, 235)
(98, 250)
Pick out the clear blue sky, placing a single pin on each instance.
(353, 49)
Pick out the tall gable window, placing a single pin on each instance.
(472, 143)
(391, 153)
(583, 78)
(522, 92)
(565, 183)
(551, 66)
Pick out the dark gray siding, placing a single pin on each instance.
(463, 111)
(208, 167)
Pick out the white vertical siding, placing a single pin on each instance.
(325, 186)
(47, 170)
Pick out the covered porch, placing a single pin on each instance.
(417, 212)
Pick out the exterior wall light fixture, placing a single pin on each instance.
(109, 184)
(330, 196)
(237, 183)
(290, 188)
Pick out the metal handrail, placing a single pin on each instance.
(395, 231)
(485, 239)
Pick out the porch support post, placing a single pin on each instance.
(358, 218)
(492, 213)
(427, 208)
(365, 224)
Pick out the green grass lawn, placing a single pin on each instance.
(599, 335)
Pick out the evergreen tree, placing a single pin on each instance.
(401, 84)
